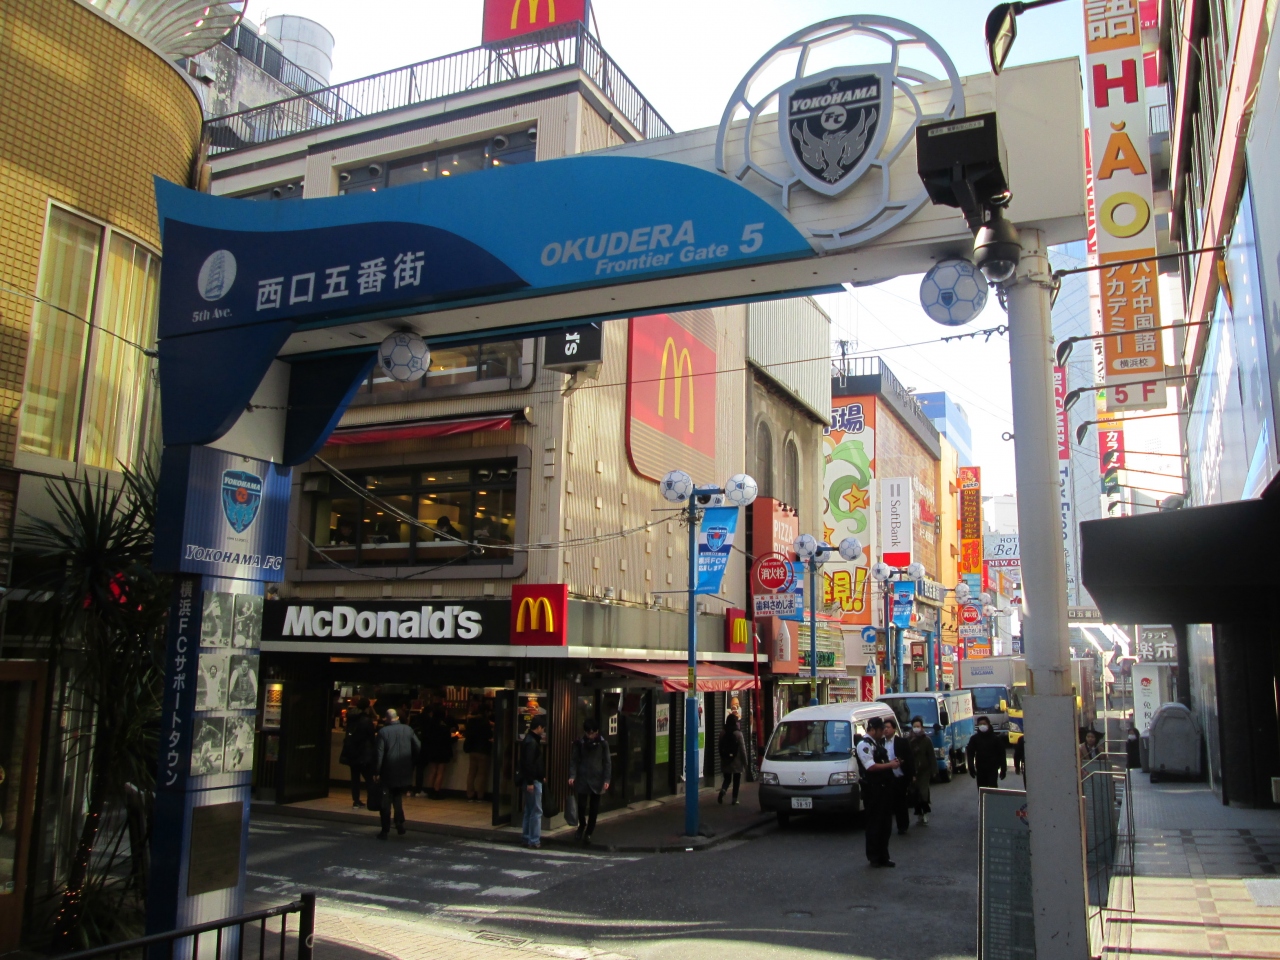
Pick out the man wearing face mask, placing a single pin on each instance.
(985, 755)
(877, 785)
(925, 763)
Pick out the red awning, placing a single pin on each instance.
(420, 430)
(674, 674)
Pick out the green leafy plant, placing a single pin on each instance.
(107, 611)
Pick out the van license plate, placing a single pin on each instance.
(802, 803)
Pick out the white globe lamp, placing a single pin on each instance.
(851, 548)
(676, 487)
(805, 546)
(962, 591)
(740, 490)
(984, 598)
(881, 571)
(404, 356)
(953, 292)
(916, 571)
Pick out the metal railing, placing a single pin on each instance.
(216, 934)
(1158, 119)
(269, 60)
(558, 49)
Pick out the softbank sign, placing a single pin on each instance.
(391, 622)
(428, 623)
(896, 514)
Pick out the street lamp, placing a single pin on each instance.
(811, 551)
(883, 573)
(678, 487)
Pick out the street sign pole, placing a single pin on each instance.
(691, 773)
(813, 630)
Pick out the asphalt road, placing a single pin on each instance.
(805, 891)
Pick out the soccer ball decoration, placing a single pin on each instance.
(404, 356)
(740, 490)
(805, 547)
(953, 292)
(676, 487)
(851, 549)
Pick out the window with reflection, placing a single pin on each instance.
(416, 517)
(502, 150)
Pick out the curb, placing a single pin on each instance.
(270, 810)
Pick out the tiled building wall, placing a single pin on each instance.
(88, 116)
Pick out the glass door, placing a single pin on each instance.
(503, 770)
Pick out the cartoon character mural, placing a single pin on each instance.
(848, 505)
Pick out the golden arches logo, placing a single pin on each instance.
(742, 631)
(681, 361)
(533, 11)
(537, 611)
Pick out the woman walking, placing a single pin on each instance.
(733, 757)
(925, 765)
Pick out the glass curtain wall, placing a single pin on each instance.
(90, 393)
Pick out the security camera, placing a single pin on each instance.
(962, 163)
(375, 170)
(532, 134)
(500, 142)
(344, 176)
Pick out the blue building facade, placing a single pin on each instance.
(952, 422)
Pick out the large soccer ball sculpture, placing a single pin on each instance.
(404, 356)
(953, 292)
(676, 486)
(740, 490)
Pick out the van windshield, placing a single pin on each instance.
(987, 699)
(926, 708)
(811, 740)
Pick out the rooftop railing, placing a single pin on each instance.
(558, 49)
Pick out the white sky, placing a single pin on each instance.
(686, 56)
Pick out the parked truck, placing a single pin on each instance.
(997, 685)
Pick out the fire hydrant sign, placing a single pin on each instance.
(1130, 299)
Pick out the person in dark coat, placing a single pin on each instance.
(477, 744)
(590, 770)
(876, 774)
(398, 750)
(985, 755)
(924, 763)
(898, 749)
(733, 757)
(1020, 755)
(358, 750)
(1133, 748)
(438, 750)
(532, 776)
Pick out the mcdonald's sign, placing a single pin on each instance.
(737, 631)
(506, 19)
(540, 614)
(671, 393)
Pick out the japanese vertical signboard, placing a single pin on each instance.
(897, 511)
(848, 490)
(1066, 495)
(1125, 218)
(775, 527)
(1146, 694)
(970, 519)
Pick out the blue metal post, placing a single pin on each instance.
(902, 674)
(813, 630)
(692, 778)
(930, 651)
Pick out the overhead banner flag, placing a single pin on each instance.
(904, 602)
(715, 542)
(1124, 205)
(896, 527)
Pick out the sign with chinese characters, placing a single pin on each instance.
(897, 512)
(1110, 442)
(1006, 917)
(671, 394)
(849, 449)
(777, 604)
(221, 514)
(1148, 694)
(774, 528)
(1157, 644)
(969, 479)
(904, 602)
(1124, 206)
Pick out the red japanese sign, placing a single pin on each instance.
(772, 571)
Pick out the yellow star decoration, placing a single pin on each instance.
(855, 499)
(827, 532)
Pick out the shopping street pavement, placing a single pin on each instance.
(800, 892)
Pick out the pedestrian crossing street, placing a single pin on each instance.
(415, 872)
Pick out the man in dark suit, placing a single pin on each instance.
(398, 748)
(897, 747)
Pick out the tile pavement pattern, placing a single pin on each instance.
(89, 115)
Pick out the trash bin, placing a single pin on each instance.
(1175, 744)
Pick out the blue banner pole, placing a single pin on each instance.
(813, 631)
(691, 777)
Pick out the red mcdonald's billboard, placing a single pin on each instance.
(671, 394)
(540, 614)
(507, 19)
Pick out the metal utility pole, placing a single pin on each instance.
(813, 630)
(692, 778)
(1053, 788)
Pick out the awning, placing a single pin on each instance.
(674, 674)
(1214, 564)
(420, 430)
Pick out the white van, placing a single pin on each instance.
(809, 765)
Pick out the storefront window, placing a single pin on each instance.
(98, 306)
(446, 515)
(501, 151)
